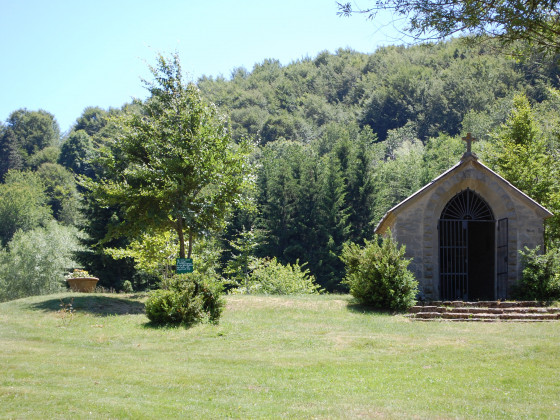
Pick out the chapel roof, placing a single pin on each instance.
(468, 159)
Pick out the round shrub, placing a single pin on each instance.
(541, 275)
(188, 299)
(377, 274)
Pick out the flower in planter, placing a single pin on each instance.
(77, 273)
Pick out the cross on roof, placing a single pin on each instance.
(469, 139)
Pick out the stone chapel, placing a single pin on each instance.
(463, 232)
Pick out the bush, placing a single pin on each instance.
(377, 274)
(188, 299)
(35, 261)
(541, 275)
(272, 278)
(127, 287)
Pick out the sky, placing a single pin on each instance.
(65, 55)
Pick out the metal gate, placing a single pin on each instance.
(466, 207)
(454, 259)
(502, 260)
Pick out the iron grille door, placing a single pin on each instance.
(453, 239)
(502, 259)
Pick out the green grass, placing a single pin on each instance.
(270, 357)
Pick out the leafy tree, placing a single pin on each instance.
(92, 120)
(153, 253)
(23, 204)
(10, 153)
(537, 22)
(62, 195)
(76, 153)
(35, 261)
(47, 155)
(175, 165)
(396, 179)
(34, 130)
(521, 154)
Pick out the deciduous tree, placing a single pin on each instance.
(174, 165)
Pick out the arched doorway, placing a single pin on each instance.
(467, 248)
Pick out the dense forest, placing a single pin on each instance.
(340, 139)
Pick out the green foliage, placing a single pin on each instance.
(47, 155)
(76, 153)
(243, 259)
(189, 298)
(23, 204)
(11, 156)
(127, 286)
(173, 164)
(377, 274)
(541, 275)
(269, 277)
(153, 253)
(34, 130)
(35, 261)
(533, 21)
(522, 155)
(61, 191)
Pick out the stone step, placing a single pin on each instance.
(485, 304)
(477, 310)
(485, 316)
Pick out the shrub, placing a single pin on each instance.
(188, 299)
(272, 278)
(35, 261)
(127, 286)
(541, 275)
(377, 274)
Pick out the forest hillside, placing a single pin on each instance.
(340, 139)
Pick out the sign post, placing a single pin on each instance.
(184, 265)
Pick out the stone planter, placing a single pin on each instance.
(82, 284)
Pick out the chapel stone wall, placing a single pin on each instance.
(416, 225)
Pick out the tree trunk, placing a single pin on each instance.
(190, 243)
(179, 228)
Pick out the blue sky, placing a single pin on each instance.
(63, 56)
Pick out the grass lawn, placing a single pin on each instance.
(270, 357)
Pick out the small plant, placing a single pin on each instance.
(127, 287)
(66, 311)
(77, 273)
(273, 278)
(188, 299)
(541, 275)
(377, 274)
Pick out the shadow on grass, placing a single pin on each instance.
(95, 305)
(360, 308)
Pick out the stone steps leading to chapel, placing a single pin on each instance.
(489, 311)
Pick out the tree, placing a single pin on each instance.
(10, 153)
(61, 192)
(23, 204)
(92, 120)
(174, 165)
(535, 21)
(521, 155)
(35, 261)
(34, 130)
(76, 153)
